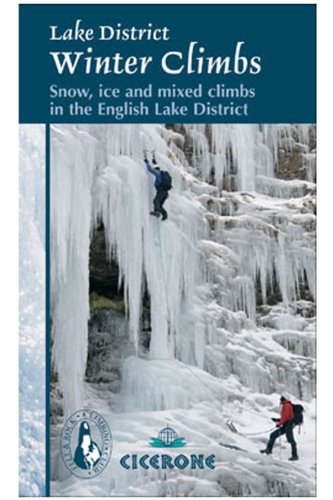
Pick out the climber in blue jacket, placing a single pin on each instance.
(155, 171)
(163, 183)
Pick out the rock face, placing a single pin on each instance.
(290, 164)
(108, 333)
(108, 338)
(103, 274)
(294, 158)
(108, 347)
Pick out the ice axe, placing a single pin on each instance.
(231, 426)
(145, 151)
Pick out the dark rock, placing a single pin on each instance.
(108, 345)
(312, 137)
(290, 165)
(104, 275)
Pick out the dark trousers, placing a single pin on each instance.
(286, 429)
(161, 196)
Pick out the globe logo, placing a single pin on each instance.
(167, 435)
(167, 438)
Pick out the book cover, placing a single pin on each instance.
(167, 250)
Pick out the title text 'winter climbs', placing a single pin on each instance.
(192, 61)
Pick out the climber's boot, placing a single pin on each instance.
(294, 455)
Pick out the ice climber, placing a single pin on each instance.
(163, 183)
(285, 425)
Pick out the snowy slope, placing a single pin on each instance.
(202, 422)
(230, 278)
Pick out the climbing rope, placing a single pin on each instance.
(232, 427)
(187, 367)
(229, 423)
(258, 433)
(202, 382)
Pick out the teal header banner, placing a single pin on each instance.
(167, 63)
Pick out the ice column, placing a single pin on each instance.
(72, 160)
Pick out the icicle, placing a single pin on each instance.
(260, 239)
(72, 159)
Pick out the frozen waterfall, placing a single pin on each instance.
(216, 247)
(205, 315)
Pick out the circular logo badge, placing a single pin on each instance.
(86, 443)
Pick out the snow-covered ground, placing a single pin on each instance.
(199, 414)
(231, 282)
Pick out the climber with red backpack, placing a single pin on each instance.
(163, 184)
(291, 415)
